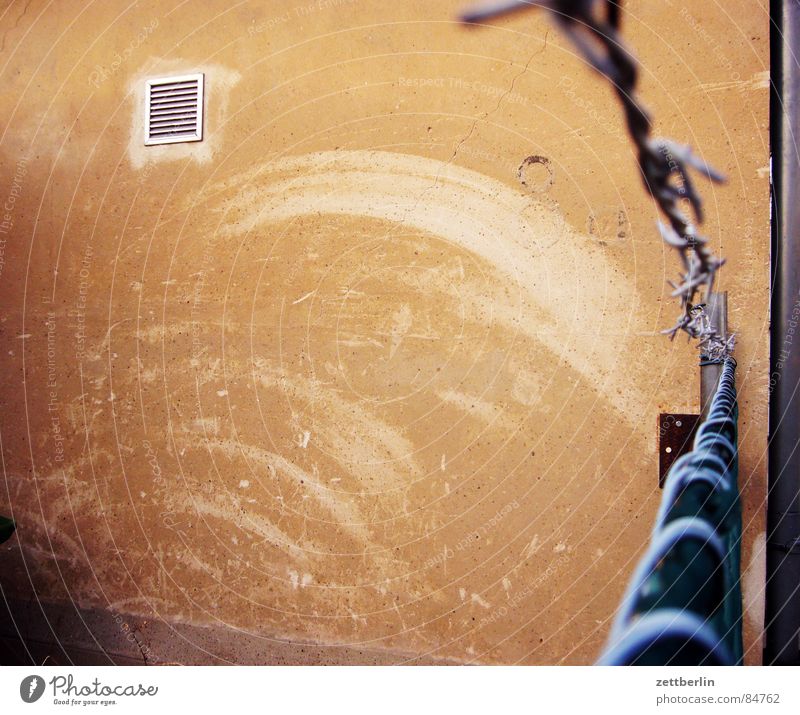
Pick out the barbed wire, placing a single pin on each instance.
(593, 27)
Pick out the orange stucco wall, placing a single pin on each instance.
(349, 371)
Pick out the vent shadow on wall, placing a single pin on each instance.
(174, 109)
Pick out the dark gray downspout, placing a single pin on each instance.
(783, 503)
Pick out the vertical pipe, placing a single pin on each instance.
(782, 616)
(717, 309)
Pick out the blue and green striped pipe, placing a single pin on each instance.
(683, 605)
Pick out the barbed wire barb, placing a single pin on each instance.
(593, 28)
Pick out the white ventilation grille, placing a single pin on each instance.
(174, 109)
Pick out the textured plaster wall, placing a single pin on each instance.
(351, 371)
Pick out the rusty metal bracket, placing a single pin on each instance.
(675, 437)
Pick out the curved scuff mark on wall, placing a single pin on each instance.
(528, 243)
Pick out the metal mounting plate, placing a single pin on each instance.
(675, 437)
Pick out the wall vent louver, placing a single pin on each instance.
(174, 109)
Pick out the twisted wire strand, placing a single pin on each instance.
(593, 28)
